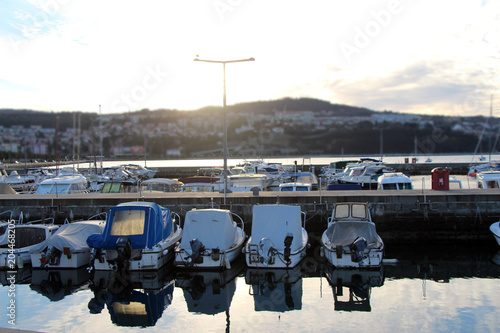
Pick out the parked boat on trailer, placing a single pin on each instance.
(211, 239)
(279, 238)
(137, 236)
(351, 239)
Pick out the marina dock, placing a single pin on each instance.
(413, 215)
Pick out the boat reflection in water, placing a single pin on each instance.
(209, 291)
(352, 287)
(275, 290)
(56, 284)
(136, 298)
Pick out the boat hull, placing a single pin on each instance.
(495, 230)
(372, 258)
(253, 259)
(149, 259)
(71, 261)
(211, 259)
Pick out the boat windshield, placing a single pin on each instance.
(359, 211)
(128, 222)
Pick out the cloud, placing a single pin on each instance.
(423, 87)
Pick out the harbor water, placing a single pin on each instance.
(445, 287)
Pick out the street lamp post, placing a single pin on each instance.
(224, 62)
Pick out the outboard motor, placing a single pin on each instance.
(357, 248)
(288, 250)
(95, 242)
(49, 257)
(124, 248)
(197, 248)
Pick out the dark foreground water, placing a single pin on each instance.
(433, 288)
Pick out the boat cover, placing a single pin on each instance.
(213, 227)
(275, 222)
(345, 232)
(74, 235)
(144, 223)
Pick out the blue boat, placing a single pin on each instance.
(138, 236)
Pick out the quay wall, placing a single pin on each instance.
(399, 215)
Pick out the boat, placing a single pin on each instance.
(351, 239)
(161, 185)
(67, 248)
(239, 180)
(488, 179)
(137, 236)
(495, 230)
(279, 238)
(299, 181)
(211, 239)
(394, 181)
(478, 168)
(365, 173)
(197, 187)
(138, 171)
(66, 184)
(28, 238)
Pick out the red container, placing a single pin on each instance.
(440, 179)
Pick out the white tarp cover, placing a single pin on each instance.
(274, 222)
(74, 235)
(213, 227)
(345, 232)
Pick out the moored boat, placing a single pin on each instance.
(137, 236)
(279, 238)
(351, 239)
(211, 239)
(28, 238)
(394, 181)
(495, 230)
(67, 248)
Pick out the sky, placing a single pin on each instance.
(410, 56)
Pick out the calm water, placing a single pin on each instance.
(217, 162)
(445, 288)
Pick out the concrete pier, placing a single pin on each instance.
(399, 215)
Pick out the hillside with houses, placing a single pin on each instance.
(283, 127)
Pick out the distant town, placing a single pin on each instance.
(284, 127)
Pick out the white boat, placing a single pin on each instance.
(495, 230)
(160, 185)
(211, 239)
(394, 181)
(139, 172)
(351, 239)
(63, 185)
(137, 236)
(279, 238)
(241, 181)
(365, 173)
(299, 181)
(28, 238)
(488, 179)
(67, 248)
(197, 187)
